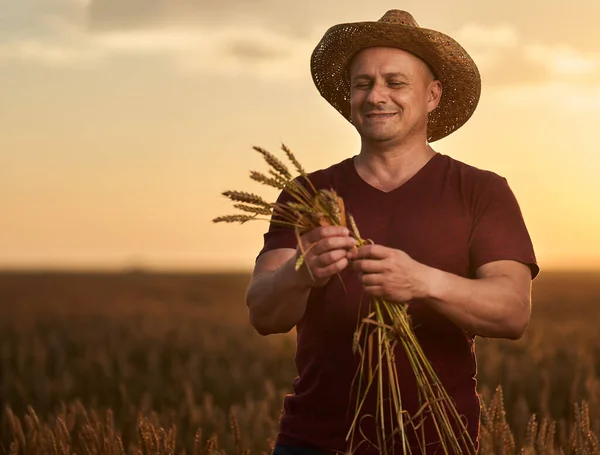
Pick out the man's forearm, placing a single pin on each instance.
(277, 300)
(489, 307)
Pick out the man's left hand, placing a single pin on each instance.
(389, 273)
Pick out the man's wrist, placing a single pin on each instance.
(431, 282)
(298, 279)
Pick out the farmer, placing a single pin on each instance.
(448, 239)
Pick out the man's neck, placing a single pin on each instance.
(387, 168)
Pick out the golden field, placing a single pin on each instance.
(168, 363)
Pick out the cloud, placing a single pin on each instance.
(50, 37)
(128, 15)
(125, 14)
(252, 51)
(84, 33)
(225, 51)
(257, 52)
(565, 61)
(49, 54)
(499, 36)
(506, 59)
(553, 95)
(495, 50)
(46, 32)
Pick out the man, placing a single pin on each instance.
(449, 239)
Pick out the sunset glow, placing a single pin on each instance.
(122, 122)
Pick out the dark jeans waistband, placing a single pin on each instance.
(295, 450)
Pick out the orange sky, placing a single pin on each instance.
(121, 122)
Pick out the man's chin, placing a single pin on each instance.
(376, 136)
(379, 138)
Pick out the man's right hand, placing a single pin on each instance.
(278, 294)
(327, 257)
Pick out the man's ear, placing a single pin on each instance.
(434, 95)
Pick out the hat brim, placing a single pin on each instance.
(450, 62)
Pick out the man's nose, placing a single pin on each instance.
(378, 94)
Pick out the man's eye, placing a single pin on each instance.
(395, 83)
(362, 85)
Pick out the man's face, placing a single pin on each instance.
(392, 92)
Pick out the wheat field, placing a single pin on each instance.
(158, 363)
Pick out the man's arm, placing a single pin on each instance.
(496, 304)
(276, 298)
(277, 294)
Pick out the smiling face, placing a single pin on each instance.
(392, 93)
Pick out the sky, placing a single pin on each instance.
(123, 121)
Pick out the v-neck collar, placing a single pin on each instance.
(419, 175)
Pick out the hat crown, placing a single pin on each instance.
(448, 60)
(399, 17)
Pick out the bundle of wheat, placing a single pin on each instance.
(311, 208)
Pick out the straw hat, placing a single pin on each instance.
(450, 63)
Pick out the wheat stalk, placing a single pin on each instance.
(235, 429)
(274, 162)
(293, 159)
(233, 219)
(253, 209)
(247, 198)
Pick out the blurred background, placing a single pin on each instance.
(123, 327)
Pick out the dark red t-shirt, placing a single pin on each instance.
(450, 216)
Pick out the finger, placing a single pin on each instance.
(331, 269)
(368, 265)
(376, 290)
(330, 257)
(333, 243)
(371, 279)
(371, 252)
(314, 235)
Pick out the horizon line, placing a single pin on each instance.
(138, 269)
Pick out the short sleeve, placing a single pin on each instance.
(279, 236)
(499, 231)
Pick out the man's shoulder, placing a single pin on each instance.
(470, 173)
